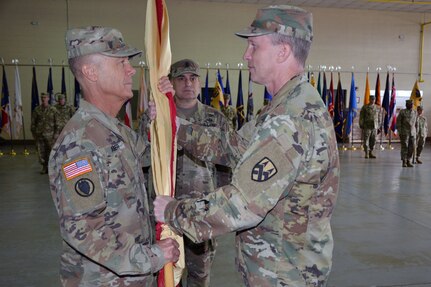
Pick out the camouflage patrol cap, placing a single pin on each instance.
(182, 67)
(60, 96)
(282, 19)
(372, 96)
(96, 39)
(44, 95)
(409, 102)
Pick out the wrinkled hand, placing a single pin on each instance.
(152, 111)
(160, 205)
(165, 86)
(169, 246)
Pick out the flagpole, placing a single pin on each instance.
(25, 152)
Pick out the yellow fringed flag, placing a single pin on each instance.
(163, 128)
(415, 96)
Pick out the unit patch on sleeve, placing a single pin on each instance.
(84, 187)
(263, 170)
(76, 168)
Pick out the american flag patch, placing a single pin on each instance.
(77, 168)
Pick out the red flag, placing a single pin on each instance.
(128, 115)
(331, 98)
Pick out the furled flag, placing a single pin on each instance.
(50, 88)
(312, 80)
(63, 81)
(206, 99)
(143, 97)
(267, 97)
(324, 90)
(352, 107)
(18, 105)
(331, 98)
(319, 88)
(217, 100)
(34, 91)
(5, 108)
(128, 114)
(385, 106)
(227, 89)
(339, 111)
(77, 94)
(377, 91)
(367, 91)
(240, 103)
(393, 107)
(163, 128)
(250, 105)
(415, 96)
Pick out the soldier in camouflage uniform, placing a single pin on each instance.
(229, 112)
(64, 112)
(285, 183)
(369, 122)
(422, 132)
(43, 129)
(194, 177)
(95, 173)
(406, 126)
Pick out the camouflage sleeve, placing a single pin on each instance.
(143, 131)
(361, 118)
(33, 124)
(264, 175)
(99, 217)
(212, 144)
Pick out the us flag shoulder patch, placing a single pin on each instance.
(263, 170)
(76, 168)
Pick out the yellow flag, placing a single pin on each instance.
(415, 96)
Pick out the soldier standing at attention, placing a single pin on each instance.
(229, 112)
(422, 132)
(95, 173)
(64, 112)
(285, 184)
(194, 177)
(406, 126)
(369, 122)
(43, 129)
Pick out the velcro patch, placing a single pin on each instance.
(263, 170)
(76, 168)
(84, 187)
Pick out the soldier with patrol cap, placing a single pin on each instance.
(64, 112)
(406, 126)
(422, 133)
(285, 184)
(369, 122)
(44, 130)
(95, 173)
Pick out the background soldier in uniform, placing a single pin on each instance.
(194, 177)
(43, 129)
(95, 173)
(285, 184)
(64, 112)
(229, 112)
(422, 132)
(406, 126)
(369, 122)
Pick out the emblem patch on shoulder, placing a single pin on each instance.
(263, 170)
(84, 187)
(76, 168)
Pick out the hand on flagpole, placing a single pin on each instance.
(170, 250)
(160, 204)
(165, 86)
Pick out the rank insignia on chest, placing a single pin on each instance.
(76, 168)
(84, 187)
(263, 170)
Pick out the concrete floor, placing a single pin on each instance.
(381, 225)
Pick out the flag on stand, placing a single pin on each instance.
(331, 97)
(206, 99)
(77, 94)
(385, 106)
(324, 90)
(34, 91)
(50, 88)
(5, 108)
(415, 96)
(143, 98)
(377, 91)
(227, 89)
(353, 109)
(128, 114)
(240, 103)
(367, 91)
(267, 97)
(63, 81)
(312, 80)
(18, 105)
(217, 100)
(250, 105)
(319, 88)
(339, 111)
(393, 107)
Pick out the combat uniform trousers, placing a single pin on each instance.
(408, 146)
(44, 145)
(420, 146)
(369, 140)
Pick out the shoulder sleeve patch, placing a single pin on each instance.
(76, 168)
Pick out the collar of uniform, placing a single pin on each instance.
(277, 99)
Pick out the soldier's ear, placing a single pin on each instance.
(89, 71)
(284, 52)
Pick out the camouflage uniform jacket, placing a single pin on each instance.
(64, 114)
(282, 194)
(43, 122)
(406, 122)
(369, 117)
(422, 126)
(97, 185)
